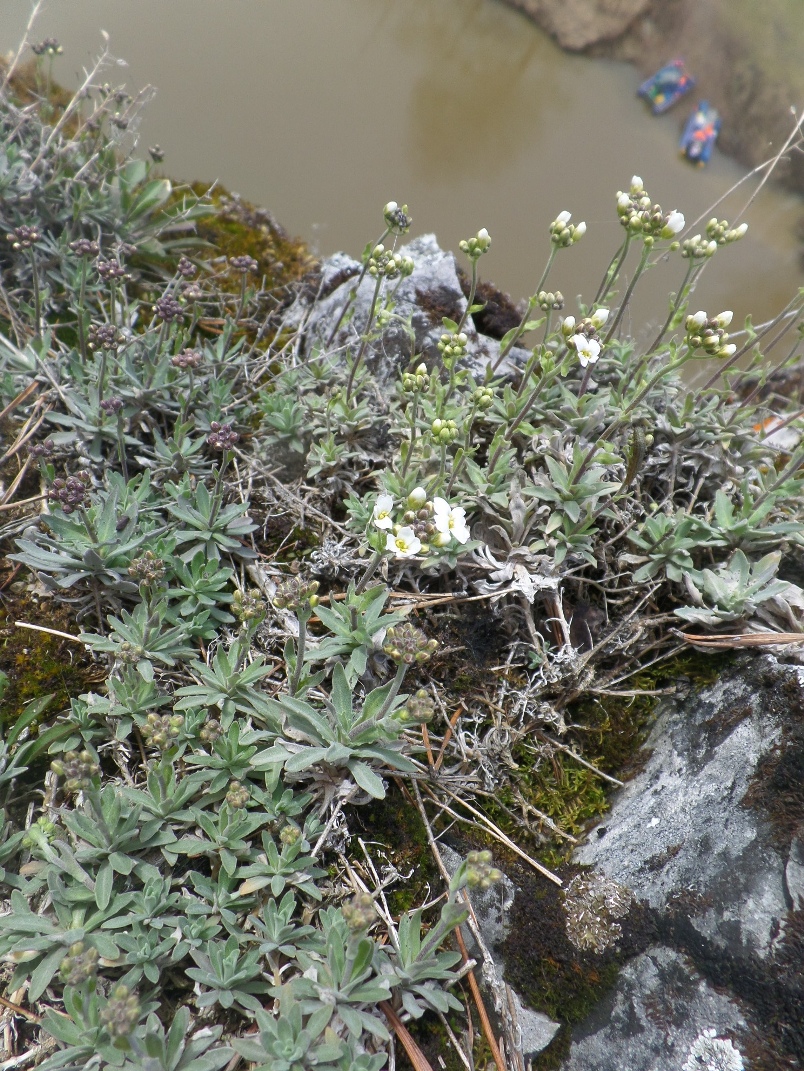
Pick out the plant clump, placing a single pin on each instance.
(188, 878)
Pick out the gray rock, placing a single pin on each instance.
(679, 825)
(696, 836)
(432, 291)
(651, 1020)
(491, 907)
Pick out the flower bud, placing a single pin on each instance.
(724, 318)
(417, 498)
(599, 318)
(696, 321)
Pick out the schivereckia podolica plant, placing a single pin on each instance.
(184, 877)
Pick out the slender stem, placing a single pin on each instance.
(612, 271)
(587, 375)
(364, 340)
(355, 288)
(676, 306)
(121, 445)
(414, 408)
(36, 296)
(643, 260)
(297, 669)
(82, 290)
(520, 329)
(396, 684)
(371, 569)
(471, 299)
(543, 382)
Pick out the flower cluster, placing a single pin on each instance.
(480, 874)
(419, 708)
(167, 308)
(77, 768)
(582, 335)
(384, 263)
(121, 1013)
(721, 232)
(187, 359)
(359, 912)
(563, 233)
(547, 300)
(417, 381)
(640, 216)
(111, 406)
(424, 522)
(405, 644)
(72, 493)
(111, 270)
(221, 436)
(161, 730)
(477, 246)
(85, 247)
(296, 594)
(248, 606)
(48, 47)
(80, 964)
(710, 335)
(243, 264)
(453, 346)
(104, 337)
(397, 219)
(23, 237)
(148, 569)
(237, 796)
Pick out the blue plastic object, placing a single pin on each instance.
(667, 86)
(700, 134)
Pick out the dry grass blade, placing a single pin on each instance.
(725, 641)
(415, 1054)
(23, 396)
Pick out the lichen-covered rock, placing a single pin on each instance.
(708, 834)
(431, 292)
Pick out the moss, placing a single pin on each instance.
(37, 663)
(238, 228)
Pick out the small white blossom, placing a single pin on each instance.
(568, 326)
(738, 232)
(404, 543)
(636, 184)
(674, 224)
(711, 1053)
(383, 508)
(727, 351)
(450, 519)
(588, 349)
(599, 317)
(696, 321)
(725, 318)
(417, 498)
(562, 218)
(623, 201)
(579, 231)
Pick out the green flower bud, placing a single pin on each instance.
(359, 912)
(406, 644)
(79, 965)
(121, 1014)
(78, 770)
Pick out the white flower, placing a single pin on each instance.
(450, 519)
(674, 224)
(727, 351)
(696, 321)
(623, 201)
(382, 512)
(563, 218)
(568, 326)
(588, 349)
(404, 544)
(738, 232)
(724, 319)
(417, 498)
(578, 231)
(599, 317)
(636, 184)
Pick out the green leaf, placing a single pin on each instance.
(367, 780)
(104, 884)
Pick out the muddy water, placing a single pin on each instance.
(323, 110)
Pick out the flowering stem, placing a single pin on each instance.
(542, 383)
(613, 271)
(587, 375)
(302, 618)
(355, 288)
(680, 296)
(121, 445)
(82, 289)
(521, 328)
(442, 468)
(414, 408)
(471, 299)
(36, 296)
(363, 341)
(371, 569)
(643, 260)
(547, 268)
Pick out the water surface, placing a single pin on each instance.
(323, 110)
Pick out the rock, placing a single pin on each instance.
(430, 293)
(578, 24)
(492, 910)
(709, 834)
(652, 1019)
